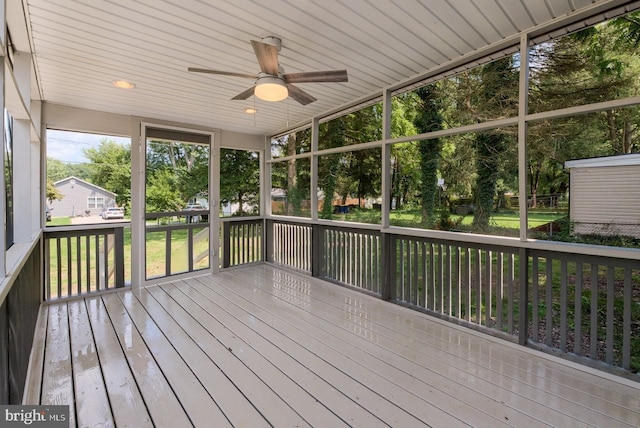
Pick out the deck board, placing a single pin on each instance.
(92, 404)
(162, 404)
(294, 364)
(260, 346)
(519, 396)
(57, 379)
(122, 389)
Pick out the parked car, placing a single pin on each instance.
(196, 218)
(112, 213)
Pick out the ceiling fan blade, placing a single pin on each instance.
(317, 76)
(244, 94)
(222, 73)
(299, 95)
(267, 57)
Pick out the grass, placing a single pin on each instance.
(59, 221)
(413, 218)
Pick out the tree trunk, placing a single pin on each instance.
(427, 120)
(292, 177)
(488, 145)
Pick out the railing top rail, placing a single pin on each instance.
(248, 219)
(176, 226)
(328, 223)
(531, 244)
(89, 228)
(153, 216)
(475, 239)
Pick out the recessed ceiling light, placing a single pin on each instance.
(251, 110)
(123, 84)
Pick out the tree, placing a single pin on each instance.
(428, 119)
(239, 178)
(111, 169)
(53, 194)
(162, 193)
(494, 95)
(331, 134)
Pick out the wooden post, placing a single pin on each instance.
(226, 244)
(317, 250)
(268, 241)
(387, 267)
(119, 256)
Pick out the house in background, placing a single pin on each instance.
(81, 198)
(605, 195)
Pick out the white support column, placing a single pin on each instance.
(315, 129)
(214, 202)
(523, 107)
(265, 179)
(21, 181)
(22, 72)
(3, 264)
(386, 156)
(137, 206)
(38, 196)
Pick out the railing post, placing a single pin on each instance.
(119, 256)
(523, 306)
(268, 240)
(317, 249)
(387, 267)
(226, 244)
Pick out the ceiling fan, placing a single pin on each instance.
(272, 83)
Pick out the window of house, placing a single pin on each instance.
(95, 202)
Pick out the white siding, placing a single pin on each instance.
(74, 202)
(605, 196)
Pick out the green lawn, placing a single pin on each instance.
(59, 221)
(504, 219)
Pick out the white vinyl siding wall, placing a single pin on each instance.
(606, 200)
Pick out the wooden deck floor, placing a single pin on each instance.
(259, 346)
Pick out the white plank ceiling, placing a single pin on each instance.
(81, 46)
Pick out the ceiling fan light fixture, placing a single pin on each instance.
(271, 89)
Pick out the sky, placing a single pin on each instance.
(69, 146)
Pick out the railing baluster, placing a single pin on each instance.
(69, 268)
(87, 263)
(610, 318)
(488, 289)
(97, 259)
(467, 277)
(499, 289)
(511, 284)
(458, 282)
(549, 301)
(626, 321)
(59, 258)
(535, 299)
(478, 271)
(563, 305)
(593, 342)
(577, 317)
(432, 278)
(78, 266)
(447, 280)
